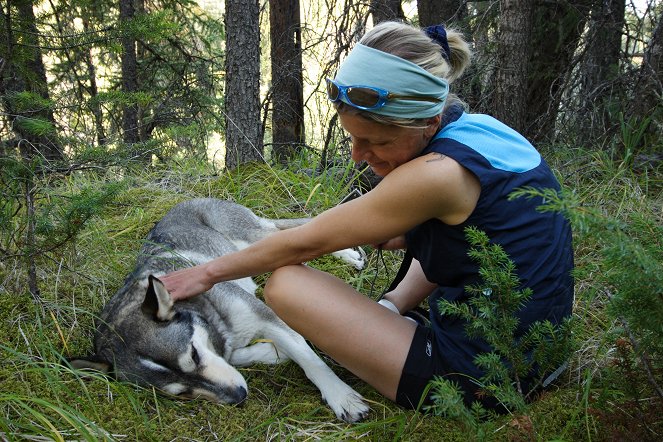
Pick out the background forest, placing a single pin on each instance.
(112, 112)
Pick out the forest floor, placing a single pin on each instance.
(42, 399)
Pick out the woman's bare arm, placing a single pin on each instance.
(412, 290)
(403, 200)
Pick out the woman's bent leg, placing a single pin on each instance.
(366, 338)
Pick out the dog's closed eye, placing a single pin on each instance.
(195, 357)
(151, 365)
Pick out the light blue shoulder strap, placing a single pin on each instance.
(503, 147)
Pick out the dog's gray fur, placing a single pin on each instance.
(190, 348)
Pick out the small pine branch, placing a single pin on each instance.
(491, 314)
(631, 268)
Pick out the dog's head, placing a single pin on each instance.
(168, 346)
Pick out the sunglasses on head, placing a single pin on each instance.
(367, 97)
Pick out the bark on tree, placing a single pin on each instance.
(129, 75)
(434, 12)
(555, 40)
(22, 70)
(602, 53)
(287, 82)
(242, 105)
(384, 10)
(97, 112)
(599, 73)
(647, 93)
(514, 40)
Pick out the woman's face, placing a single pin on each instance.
(385, 147)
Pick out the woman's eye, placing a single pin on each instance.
(194, 355)
(380, 142)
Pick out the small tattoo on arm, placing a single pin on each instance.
(436, 157)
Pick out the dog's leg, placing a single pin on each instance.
(353, 257)
(346, 403)
(262, 352)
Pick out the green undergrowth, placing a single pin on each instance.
(41, 398)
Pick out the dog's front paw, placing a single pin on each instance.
(353, 257)
(347, 404)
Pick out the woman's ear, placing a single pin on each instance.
(432, 125)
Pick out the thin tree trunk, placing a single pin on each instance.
(33, 285)
(14, 79)
(242, 105)
(604, 42)
(514, 40)
(129, 76)
(97, 111)
(94, 92)
(648, 89)
(600, 69)
(556, 36)
(383, 10)
(435, 12)
(287, 82)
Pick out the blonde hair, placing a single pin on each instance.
(412, 44)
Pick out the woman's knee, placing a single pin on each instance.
(280, 285)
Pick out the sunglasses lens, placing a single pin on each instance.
(364, 97)
(332, 91)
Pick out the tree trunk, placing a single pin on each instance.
(30, 242)
(384, 10)
(604, 42)
(287, 82)
(556, 36)
(477, 84)
(647, 94)
(242, 105)
(129, 76)
(434, 12)
(600, 68)
(514, 41)
(145, 114)
(97, 112)
(22, 70)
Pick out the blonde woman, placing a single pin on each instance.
(444, 169)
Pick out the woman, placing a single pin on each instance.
(443, 170)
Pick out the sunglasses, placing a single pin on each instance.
(367, 97)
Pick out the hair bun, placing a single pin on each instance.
(439, 35)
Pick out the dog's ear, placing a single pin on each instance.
(90, 363)
(158, 302)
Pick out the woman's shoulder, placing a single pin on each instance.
(448, 189)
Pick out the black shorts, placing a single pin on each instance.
(424, 362)
(421, 365)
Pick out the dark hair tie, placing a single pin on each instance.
(439, 35)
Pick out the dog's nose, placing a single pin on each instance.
(238, 395)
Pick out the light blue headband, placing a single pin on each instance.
(365, 66)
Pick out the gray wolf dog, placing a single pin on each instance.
(190, 348)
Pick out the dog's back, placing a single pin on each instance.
(201, 229)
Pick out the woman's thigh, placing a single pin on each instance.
(369, 340)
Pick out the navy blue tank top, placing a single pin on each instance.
(538, 243)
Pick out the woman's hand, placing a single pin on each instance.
(188, 282)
